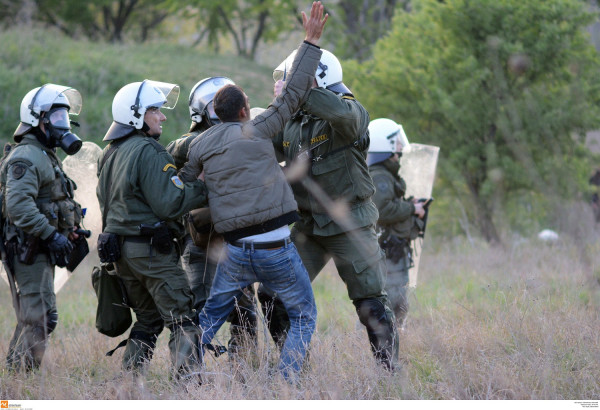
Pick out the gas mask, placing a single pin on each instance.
(58, 131)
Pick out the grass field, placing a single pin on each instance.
(485, 323)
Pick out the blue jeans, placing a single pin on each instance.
(281, 271)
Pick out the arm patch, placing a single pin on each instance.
(18, 169)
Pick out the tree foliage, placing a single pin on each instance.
(110, 20)
(247, 23)
(362, 23)
(506, 88)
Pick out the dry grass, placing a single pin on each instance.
(518, 323)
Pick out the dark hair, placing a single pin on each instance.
(228, 102)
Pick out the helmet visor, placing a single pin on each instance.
(201, 101)
(402, 139)
(210, 110)
(281, 71)
(59, 118)
(170, 91)
(50, 94)
(279, 75)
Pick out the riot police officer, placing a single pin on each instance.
(201, 244)
(39, 216)
(324, 145)
(142, 199)
(397, 215)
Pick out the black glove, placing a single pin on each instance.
(109, 249)
(60, 246)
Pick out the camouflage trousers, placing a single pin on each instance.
(37, 316)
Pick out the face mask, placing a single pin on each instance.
(58, 129)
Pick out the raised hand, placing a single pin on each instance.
(313, 25)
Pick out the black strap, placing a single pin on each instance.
(113, 147)
(122, 344)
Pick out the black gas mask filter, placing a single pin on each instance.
(58, 131)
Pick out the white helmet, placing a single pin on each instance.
(41, 99)
(328, 74)
(201, 100)
(132, 101)
(385, 136)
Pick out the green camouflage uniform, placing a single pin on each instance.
(396, 217)
(37, 200)
(332, 130)
(146, 190)
(200, 263)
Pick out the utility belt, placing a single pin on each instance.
(26, 248)
(158, 236)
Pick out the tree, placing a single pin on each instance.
(248, 22)
(362, 23)
(507, 88)
(101, 19)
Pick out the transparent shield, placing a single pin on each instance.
(82, 168)
(418, 166)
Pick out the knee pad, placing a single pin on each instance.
(51, 322)
(370, 312)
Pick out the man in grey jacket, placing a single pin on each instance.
(252, 204)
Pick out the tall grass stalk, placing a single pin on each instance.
(485, 323)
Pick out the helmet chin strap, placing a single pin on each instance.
(145, 130)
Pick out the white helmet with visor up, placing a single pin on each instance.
(387, 138)
(328, 74)
(132, 101)
(42, 99)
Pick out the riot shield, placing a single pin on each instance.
(418, 165)
(81, 168)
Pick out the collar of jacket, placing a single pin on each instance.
(392, 167)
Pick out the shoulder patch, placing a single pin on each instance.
(169, 166)
(382, 186)
(177, 182)
(381, 182)
(18, 170)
